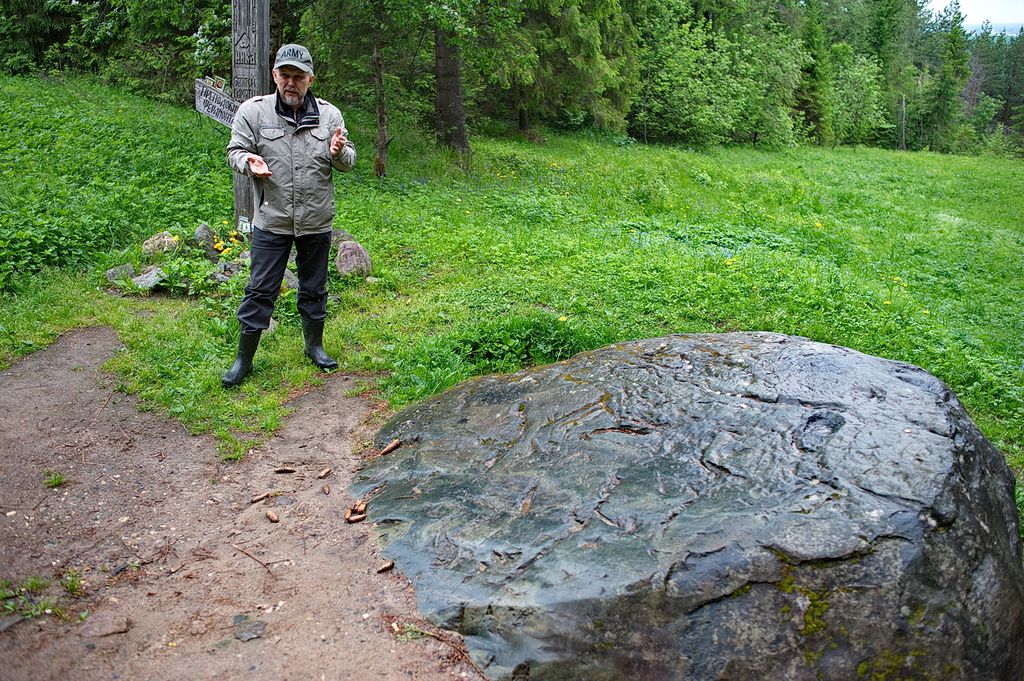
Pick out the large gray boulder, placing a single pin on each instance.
(737, 506)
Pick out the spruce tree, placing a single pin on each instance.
(814, 96)
(945, 111)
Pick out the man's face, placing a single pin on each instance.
(292, 84)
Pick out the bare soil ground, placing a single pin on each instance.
(168, 542)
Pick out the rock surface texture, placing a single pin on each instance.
(352, 259)
(736, 506)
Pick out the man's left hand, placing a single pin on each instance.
(338, 140)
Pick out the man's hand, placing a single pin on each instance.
(338, 140)
(258, 166)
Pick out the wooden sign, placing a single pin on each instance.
(250, 52)
(214, 103)
(250, 76)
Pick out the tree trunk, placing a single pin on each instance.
(277, 12)
(380, 159)
(449, 112)
(523, 113)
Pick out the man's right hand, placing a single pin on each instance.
(258, 166)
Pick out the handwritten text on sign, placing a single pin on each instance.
(215, 104)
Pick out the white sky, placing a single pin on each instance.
(977, 11)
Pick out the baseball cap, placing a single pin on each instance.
(294, 55)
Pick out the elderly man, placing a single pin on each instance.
(289, 143)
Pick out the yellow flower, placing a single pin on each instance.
(886, 302)
(563, 319)
(925, 312)
(817, 224)
(226, 251)
(224, 222)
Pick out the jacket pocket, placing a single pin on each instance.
(271, 133)
(273, 206)
(272, 144)
(320, 142)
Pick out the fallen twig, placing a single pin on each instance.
(267, 567)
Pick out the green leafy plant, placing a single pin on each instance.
(54, 479)
(26, 599)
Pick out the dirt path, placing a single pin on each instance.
(165, 537)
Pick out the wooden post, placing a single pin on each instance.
(250, 76)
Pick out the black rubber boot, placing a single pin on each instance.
(313, 332)
(247, 344)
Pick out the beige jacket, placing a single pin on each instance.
(298, 198)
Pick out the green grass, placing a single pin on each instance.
(72, 583)
(541, 251)
(28, 598)
(54, 479)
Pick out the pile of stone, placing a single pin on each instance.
(351, 259)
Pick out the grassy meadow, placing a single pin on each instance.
(545, 248)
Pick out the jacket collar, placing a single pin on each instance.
(308, 115)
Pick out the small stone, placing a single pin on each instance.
(162, 242)
(120, 273)
(352, 259)
(247, 631)
(104, 624)
(229, 268)
(339, 236)
(9, 621)
(150, 278)
(290, 280)
(272, 517)
(204, 238)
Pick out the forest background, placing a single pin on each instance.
(888, 73)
